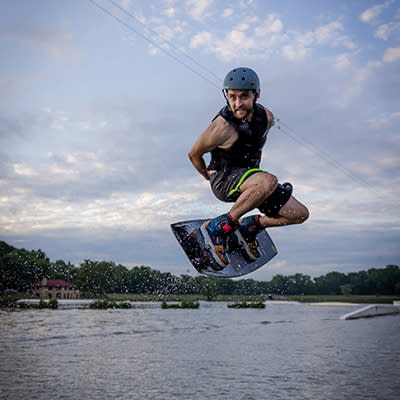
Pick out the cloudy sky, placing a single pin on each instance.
(101, 101)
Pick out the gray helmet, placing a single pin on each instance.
(242, 78)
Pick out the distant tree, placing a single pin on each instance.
(120, 279)
(95, 277)
(397, 288)
(5, 248)
(209, 288)
(279, 284)
(20, 268)
(386, 279)
(346, 289)
(226, 286)
(62, 270)
(300, 284)
(330, 283)
(187, 285)
(144, 280)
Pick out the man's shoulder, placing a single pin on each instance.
(260, 108)
(220, 124)
(223, 112)
(222, 131)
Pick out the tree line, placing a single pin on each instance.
(20, 268)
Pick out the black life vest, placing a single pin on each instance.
(246, 150)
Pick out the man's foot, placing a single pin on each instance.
(215, 232)
(247, 235)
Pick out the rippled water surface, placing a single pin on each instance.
(280, 352)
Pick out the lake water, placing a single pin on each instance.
(280, 352)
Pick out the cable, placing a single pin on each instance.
(154, 43)
(166, 41)
(294, 136)
(306, 144)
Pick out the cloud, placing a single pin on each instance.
(21, 169)
(271, 25)
(202, 39)
(234, 42)
(371, 14)
(391, 55)
(357, 82)
(198, 9)
(243, 27)
(126, 4)
(241, 42)
(385, 119)
(56, 42)
(102, 171)
(395, 115)
(257, 41)
(327, 33)
(227, 12)
(166, 32)
(136, 210)
(386, 30)
(342, 61)
(302, 45)
(293, 52)
(170, 12)
(110, 158)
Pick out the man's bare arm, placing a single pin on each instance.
(215, 135)
(271, 118)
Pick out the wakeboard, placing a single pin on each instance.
(199, 253)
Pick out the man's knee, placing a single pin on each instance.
(301, 214)
(295, 212)
(305, 214)
(276, 200)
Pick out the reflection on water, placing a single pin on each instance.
(280, 352)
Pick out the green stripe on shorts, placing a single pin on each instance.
(245, 175)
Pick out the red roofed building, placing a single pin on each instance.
(55, 289)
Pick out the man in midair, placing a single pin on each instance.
(235, 139)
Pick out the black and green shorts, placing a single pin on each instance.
(225, 185)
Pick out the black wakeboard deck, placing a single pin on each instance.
(198, 251)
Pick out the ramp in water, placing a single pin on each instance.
(373, 310)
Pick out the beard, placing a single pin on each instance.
(242, 113)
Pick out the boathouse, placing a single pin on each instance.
(55, 289)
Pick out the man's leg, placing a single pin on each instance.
(256, 189)
(253, 191)
(293, 212)
(263, 192)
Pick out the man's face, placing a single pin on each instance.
(241, 102)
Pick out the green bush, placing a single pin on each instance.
(105, 304)
(183, 304)
(244, 304)
(51, 305)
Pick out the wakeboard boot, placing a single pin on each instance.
(215, 232)
(249, 228)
